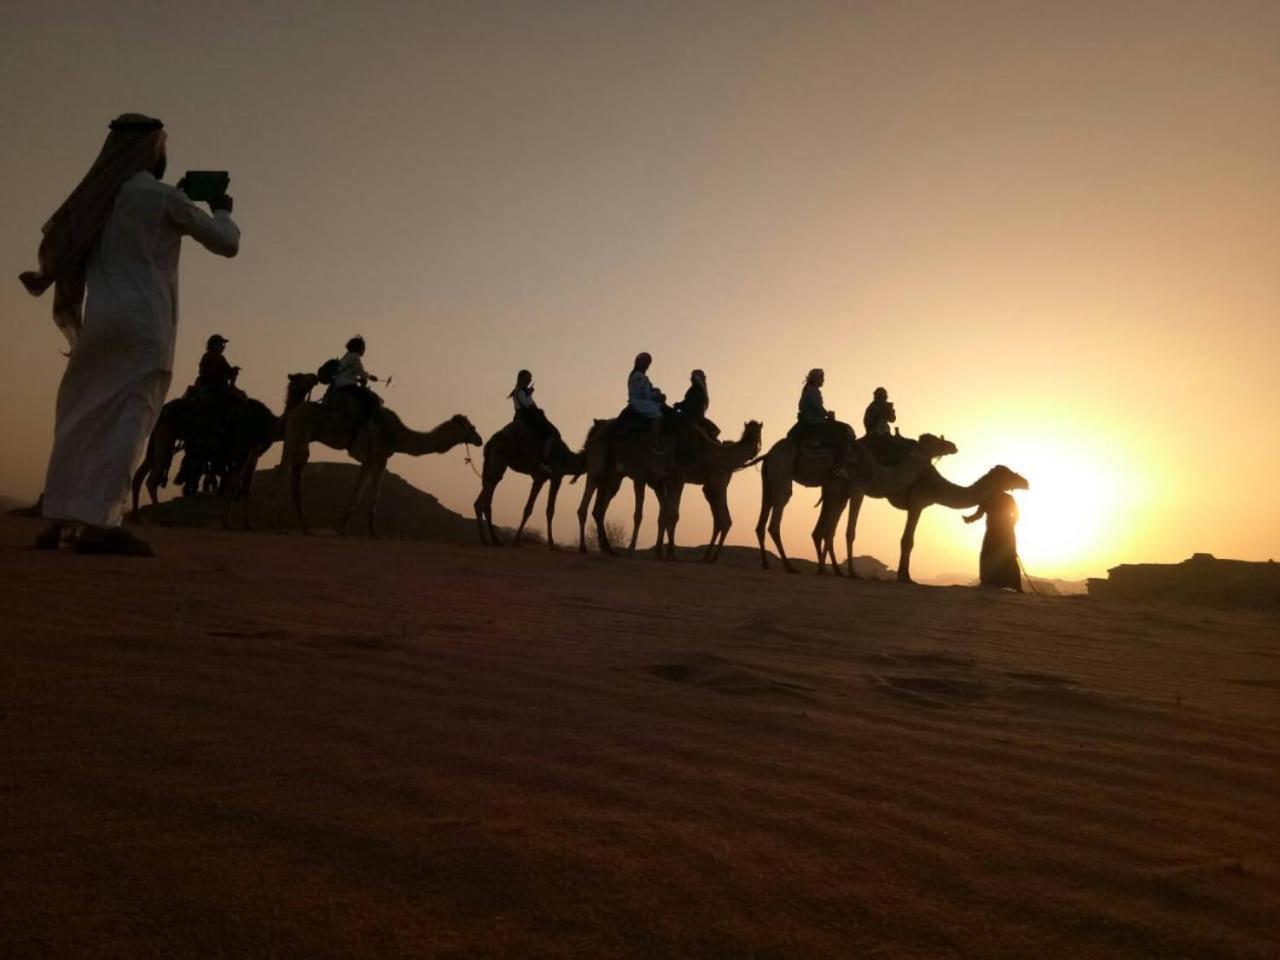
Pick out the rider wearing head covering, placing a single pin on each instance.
(530, 415)
(814, 421)
(693, 408)
(879, 414)
(644, 399)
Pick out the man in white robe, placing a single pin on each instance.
(122, 350)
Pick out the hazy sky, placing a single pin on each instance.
(1050, 230)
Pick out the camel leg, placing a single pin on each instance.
(534, 490)
(483, 498)
(246, 489)
(766, 508)
(588, 490)
(361, 479)
(377, 472)
(295, 492)
(672, 495)
(775, 532)
(855, 505)
(297, 462)
(638, 515)
(908, 541)
(726, 520)
(709, 554)
(138, 476)
(604, 496)
(552, 492)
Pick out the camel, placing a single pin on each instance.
(786, 464)
(510, 449)
(931, 487)
(609, 459)
(253, 432)
(715, 489)
(376, 441)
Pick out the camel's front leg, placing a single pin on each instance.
(378, 472)
(295, 492)
(908, 541)
(534, 489)
(638, 515)
(361, 478)
(552, 492)
(851, 528)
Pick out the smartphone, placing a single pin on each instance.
(206, 185)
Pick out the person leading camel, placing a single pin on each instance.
(644, 400)
(350, 386)
(118, 236)
(998, 562)
(695, 403)
(815, 422)
(530, 415)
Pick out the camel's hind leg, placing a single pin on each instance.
(584, 507)
(637, 516)
(766, 509)
(604, 496)
(851, 527)
(534, 489)
(490, 476)
(246, 489)
(725, 521)
(671, 495)
(552, 493)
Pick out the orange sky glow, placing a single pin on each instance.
(1050, 230)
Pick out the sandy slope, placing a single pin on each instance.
(268, 746)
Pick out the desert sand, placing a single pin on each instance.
(267, 745)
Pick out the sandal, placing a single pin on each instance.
(117, 542)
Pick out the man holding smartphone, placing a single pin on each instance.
(118, 237)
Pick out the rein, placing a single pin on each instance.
(466, 458)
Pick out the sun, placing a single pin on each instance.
(1068, 516)
(1071, 504)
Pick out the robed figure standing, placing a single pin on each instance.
(111, 254)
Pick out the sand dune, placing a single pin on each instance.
(265, 745)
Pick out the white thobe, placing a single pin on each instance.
(121, 364)
(351, 372)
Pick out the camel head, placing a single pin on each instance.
(1002, 478)
(299, 389)
(934, 447)
(466, 432)
(752, 433)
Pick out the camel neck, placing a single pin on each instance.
(957, 497)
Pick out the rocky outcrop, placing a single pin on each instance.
(1201, 579)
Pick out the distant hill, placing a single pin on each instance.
(404, 511)
(1201, 579)
(18, 507)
